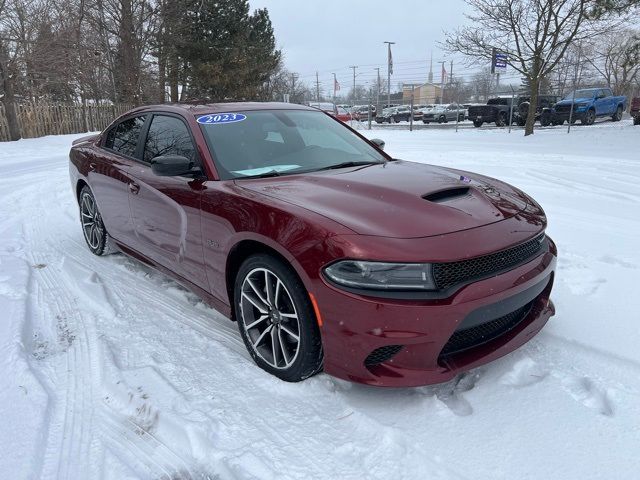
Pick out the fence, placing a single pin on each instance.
(39, 119)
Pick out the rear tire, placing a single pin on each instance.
(618, 115)
(276, 319)
(95, 234)
(636, 120)
(502, 119)
(477, 123)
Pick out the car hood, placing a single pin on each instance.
(397, 199)
(578, 100)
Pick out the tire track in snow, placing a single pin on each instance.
(115, 428)
(68, 451)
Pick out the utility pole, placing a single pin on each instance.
(317, 88)
(430, 78)
(451, 73)
(411, 109)
(377, 69)
(389, 71)
(293, 86)
(442, 74)
(353, 92)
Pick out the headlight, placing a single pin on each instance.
(381, 275)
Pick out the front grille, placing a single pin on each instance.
(482, 110)
(449, 274)
(382, 354)
(472, 337)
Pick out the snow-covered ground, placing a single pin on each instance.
(110, 370)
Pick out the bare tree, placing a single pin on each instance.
(535, 35)
(617, 60)
(482, 84)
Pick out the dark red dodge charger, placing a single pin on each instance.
(329, 254)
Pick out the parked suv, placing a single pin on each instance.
(444, 114)
(394, 115)
(635, 110)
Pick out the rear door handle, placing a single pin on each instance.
(134, 188)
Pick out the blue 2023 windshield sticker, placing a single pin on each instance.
(216, 118)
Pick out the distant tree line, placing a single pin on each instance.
(134, 51)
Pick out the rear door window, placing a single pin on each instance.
(123, 138)
(168, 136)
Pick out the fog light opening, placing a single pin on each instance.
(382, 355)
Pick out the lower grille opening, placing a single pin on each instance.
(472, 337)
(381, 355)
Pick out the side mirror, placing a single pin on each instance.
(172, 166)
(378, 143)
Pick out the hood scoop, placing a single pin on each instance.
(447, 195)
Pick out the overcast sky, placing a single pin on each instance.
(330, 35)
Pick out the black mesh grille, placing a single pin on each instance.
(454, 273)
(382, 354)
(563, 108)
(474, 336)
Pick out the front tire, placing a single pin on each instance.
(477, 123)
(93, 229)
(636, 120)
(276, 319)
(589, 117)
(502, 120)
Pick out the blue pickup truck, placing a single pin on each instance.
(588, 104)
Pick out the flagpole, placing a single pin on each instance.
(389, 71)
(334, 88)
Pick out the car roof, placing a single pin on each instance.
(205, 108)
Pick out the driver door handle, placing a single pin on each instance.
(134, 188)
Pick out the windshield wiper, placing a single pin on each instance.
(347, 164)
(270, 173)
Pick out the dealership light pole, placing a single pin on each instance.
(389, 71)
(353, 92)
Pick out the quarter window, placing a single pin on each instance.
(123, 138)
(168, 136)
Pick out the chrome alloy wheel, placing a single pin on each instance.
(269, 318)
(92, 225)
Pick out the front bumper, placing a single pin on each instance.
(564, 116)
(355, 326)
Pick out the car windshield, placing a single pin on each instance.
(586, 93)
(283, 142)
